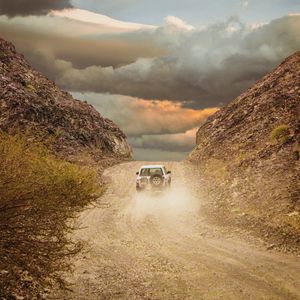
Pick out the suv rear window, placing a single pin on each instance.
(151, 171)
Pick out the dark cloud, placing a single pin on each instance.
(59, 39)
(14, 8)
(158, 155)
(202, 68)
(208, 67)
(79, 52)
(181, 142)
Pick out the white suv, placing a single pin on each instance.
(153, 177)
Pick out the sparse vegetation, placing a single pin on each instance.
(38, 195)
(280, 134)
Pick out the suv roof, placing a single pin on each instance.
(152, 166)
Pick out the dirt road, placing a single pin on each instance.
(144, 247)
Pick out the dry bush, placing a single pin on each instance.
(38, 195)
(280, 134)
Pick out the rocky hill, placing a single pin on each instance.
(248, 153)
(31, 103)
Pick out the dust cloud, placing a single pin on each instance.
(168, 207)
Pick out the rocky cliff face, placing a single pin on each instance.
(249, 153)
(32, 103)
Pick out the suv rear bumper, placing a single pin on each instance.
(149, 187)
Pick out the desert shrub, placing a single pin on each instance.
(280, 134)
(39, 194)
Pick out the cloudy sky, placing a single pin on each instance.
(156, 68)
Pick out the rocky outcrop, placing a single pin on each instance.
(249, 154)
(29, 102)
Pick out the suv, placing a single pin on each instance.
(153, 177)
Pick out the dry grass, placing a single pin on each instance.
(38, 195)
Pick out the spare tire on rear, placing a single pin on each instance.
(156, 180)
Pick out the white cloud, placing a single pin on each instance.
(175, 22)
(108, 23)
(245, 4)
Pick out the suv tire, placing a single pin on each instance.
(156, 180)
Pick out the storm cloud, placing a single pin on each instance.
(46, 49)
(14, 8)
(180, 142)
(201, 68)
(208, 67)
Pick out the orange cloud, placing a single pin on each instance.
(155, 128)
(164, 117)
(139, 117)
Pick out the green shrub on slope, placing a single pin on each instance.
(280, 134)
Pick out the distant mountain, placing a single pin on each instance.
(249, 151)
(93, 18)
(29, 102)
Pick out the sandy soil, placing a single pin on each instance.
(159, 247)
